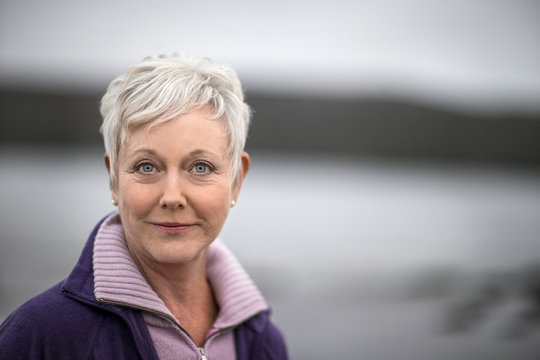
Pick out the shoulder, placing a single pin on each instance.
(259, 338)
(49, 325)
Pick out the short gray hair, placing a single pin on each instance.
(163, 88)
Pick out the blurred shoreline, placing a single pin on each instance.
(363, 127)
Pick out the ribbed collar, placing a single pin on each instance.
(118, 280)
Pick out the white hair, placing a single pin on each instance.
(163, 88)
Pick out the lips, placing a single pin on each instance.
(172, 227)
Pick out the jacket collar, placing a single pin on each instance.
(222, 268)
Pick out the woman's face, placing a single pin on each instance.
(175, 187)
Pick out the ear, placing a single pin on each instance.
(107, 163)
(108, 166)
(245, 163)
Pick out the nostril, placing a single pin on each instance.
(172, 202)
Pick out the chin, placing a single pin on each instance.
(178, 253)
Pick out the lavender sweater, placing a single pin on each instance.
(68, 322)
(117, 280)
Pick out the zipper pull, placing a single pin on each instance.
(203, 357)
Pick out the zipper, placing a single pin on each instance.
(203, 356)
(201, 349)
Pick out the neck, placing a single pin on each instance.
(186, 292)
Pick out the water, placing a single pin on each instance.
(358, 259)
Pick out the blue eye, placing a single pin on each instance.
(202, 168)
(146, 168)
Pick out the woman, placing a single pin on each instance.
(153, 281)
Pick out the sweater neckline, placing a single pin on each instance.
(117, 279)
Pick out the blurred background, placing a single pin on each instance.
(393, 206)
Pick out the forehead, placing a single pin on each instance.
(197, 130)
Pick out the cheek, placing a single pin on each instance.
(215, 204)
(137, 200)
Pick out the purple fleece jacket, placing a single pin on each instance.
(67, 322)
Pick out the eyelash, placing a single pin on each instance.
(210, 168)
(138, 168)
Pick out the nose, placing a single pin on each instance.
(172, 195)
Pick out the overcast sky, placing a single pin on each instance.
(468, 52)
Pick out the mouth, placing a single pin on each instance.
(170, 227)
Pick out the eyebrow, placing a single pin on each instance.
(202, 152)
(197, 152)
(145, 150)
